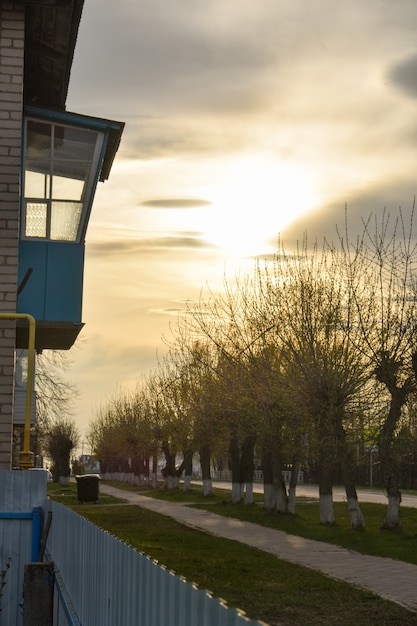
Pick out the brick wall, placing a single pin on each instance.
(11, 103)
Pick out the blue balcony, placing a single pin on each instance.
(64, 157)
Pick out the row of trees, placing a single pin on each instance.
(306, 361)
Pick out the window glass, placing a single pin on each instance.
(65, 219)
(37, 182)
(74, 143)
(64, 188)
(36, 216)
(59, 178)
(38, 139)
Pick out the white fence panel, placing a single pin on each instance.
(109, 582)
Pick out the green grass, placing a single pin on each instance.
(265, 587)
(401, 544)
(67, 494)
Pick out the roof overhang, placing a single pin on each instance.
(51, 28)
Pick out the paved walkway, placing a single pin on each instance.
(390, 579)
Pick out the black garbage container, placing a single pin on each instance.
(88, 487)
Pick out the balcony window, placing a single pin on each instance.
(60, 174)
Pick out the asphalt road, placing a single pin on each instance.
(339, 495)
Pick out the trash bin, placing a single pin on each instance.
(88, 487)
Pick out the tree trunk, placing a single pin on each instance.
(206, 470)
(247, 467)
(269, 497)
(188, 470)
(391, 479)
(392, 520)
(154, 476)
(249, 493)
(235, 465)
(293, 485)
(326, 486)
(275, 491)
(280, 489)
(389, 468)
(169, 472)
(387, 373)
(346, 463)
(268, 477)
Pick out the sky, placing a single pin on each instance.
(245, 121)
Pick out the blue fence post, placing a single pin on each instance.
(36, 532)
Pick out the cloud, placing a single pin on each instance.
(198, 83)
(175, 203)
(169, 311)
(145, 245)
(397, 194)
(404, 75)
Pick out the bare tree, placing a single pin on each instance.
(250, 389)
(62, 437)
(54, 395)
(383, 266)
(308, 302)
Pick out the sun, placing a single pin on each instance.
(254, 199)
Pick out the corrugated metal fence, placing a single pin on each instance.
(102, 580)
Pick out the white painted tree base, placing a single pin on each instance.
(237, 492)
(326, 509)
(392, 521)
(187, 484)
(281, 501)
(357, 520)
(249, 493)
(269, 497)
(207, 487)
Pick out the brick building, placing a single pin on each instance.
(50, 163)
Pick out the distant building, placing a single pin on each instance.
(89, 464)
(50, 163)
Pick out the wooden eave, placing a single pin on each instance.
(51, 28)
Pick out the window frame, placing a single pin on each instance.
(66, 120)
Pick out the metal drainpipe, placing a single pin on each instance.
(26, 457)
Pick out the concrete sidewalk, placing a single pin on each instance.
(390, 579)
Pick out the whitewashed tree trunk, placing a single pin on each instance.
(249, 493)
(392, 521)
(326, 509)
(357, 520)
(281, 501)
(237, 492)
(291, 500)
(269, 497)
(207, 487)
(187, 483)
